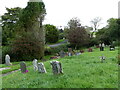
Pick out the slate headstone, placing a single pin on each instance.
(23, 67)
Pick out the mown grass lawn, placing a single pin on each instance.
(83, 71)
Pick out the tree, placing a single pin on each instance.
(52, 33)
(96, 23)
(30, 38)
(74, 23)
(9, 20)
(76, 34)
(78, 37)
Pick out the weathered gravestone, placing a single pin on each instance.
(23, 67)
(41, 68)
(70, 52)
(7, 60)
(62, 54)
(35, 64)
(102, 58)
(56, 67)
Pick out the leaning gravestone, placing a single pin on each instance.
(41, 68)
(7, 60)
(62, 54)
(35, 64)
(23, 67)
(56, 67)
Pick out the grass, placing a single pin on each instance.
(83, 71)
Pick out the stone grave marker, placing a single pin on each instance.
(7, 60)
(23, 67)
(112, 48)
(56, 67)
(41, 68)
(102, 58)
(35, 64)
(70, 52)
(62, 54)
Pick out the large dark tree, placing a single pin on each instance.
(30, 37)
(76, 34)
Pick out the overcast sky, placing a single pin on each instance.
(59, 12)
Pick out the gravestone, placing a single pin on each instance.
(7, 60)
(35, 64)
(102, 58)
(70, 52)
(112, 48)
(23, 67)
(77, 53)
(56, 67)
(41, 68)
(90, 50)
(62, 54)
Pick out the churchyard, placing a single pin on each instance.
(79, 71)
(36, 53)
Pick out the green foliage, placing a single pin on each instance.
(52, 33)
(29, 40)
(26, 48)
(76, 34)
(9, 21)
(83, 71)
(109, 33)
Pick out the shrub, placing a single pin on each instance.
(52, 33)
(27, 48)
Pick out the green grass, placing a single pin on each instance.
(16, 65)
(83, 71)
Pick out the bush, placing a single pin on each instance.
(52, 33)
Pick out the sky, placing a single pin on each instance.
(59, 12)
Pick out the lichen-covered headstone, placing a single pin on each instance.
(7, 60)
(35, 64)
(23, 67)
(62, 54)
(56, 67)
(41, 68)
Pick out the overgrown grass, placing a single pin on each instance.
(83, 71)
